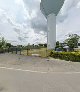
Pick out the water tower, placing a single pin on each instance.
(50, 9)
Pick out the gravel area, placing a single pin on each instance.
(38, 63)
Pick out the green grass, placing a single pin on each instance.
(43, 52)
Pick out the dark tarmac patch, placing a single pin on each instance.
(1, 89)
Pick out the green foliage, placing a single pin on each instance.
(72, 41)
(68, 56)
(45, 45)
(2, 43)
(8, 45)
(57, 44)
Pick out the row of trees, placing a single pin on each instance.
(5, 46)
(72, 42)
(33, 46)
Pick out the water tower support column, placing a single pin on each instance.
(51, 34)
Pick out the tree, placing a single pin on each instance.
(41, 45)
(57, 44)
(8, 45)
(45, 45)
(72, 41)
(2, 43)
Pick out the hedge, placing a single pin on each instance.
(68, 56)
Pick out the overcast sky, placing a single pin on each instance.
(22, 22)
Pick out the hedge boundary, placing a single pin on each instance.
(68, 56)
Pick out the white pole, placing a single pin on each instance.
(51, 34)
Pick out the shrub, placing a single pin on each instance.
(68, 56)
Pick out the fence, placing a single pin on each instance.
(42, 52)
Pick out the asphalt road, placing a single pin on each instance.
(25, 81)
(38, 63)
(20, 73)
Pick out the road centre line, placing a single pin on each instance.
(15, 69)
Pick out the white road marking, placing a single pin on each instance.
(15, 69)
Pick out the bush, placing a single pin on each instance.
(68, 56)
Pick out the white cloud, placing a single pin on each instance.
(22, 22)
(71, 22)
(78, 5)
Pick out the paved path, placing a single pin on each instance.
(23, 81)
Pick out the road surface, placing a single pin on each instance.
(20, 73)
(14, 80)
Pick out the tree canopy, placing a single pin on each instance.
(72, 41)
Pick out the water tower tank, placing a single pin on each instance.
(50, 9)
